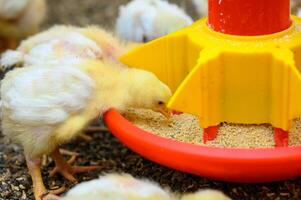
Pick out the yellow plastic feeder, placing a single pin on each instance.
(248, 74)
(240, 65)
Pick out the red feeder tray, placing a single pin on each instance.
(225, 164)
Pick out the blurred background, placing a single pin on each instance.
(100, 12)
(104, 12)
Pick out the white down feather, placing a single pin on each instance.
(68, 49)
(145, 20)
(61, 48)
(42, 96)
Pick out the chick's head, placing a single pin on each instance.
(149, 92)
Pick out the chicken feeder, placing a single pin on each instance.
(240, 65)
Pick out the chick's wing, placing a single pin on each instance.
(35, 95)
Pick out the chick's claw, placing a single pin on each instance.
(65, 171)
(52, 194)
(69, 171)
(62, 167)
(50, 197)
(65, 168)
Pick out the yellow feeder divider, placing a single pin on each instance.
(166, 57)
(252, 87)
(227, 78)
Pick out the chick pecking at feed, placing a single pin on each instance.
(43, 107)
(64, 45)
(126, 187)
(145, 20)
(19, 19)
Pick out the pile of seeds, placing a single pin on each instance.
(185, 128)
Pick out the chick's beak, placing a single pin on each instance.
(164, 111)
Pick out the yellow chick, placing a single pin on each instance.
(118, 187)
(43, 107)
(64, 45)
(19, 19)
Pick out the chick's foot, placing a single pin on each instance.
(52, 194)
(65, 168)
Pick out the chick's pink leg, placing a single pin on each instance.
(65, 168)
(39, 190)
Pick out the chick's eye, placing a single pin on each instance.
(160, 102)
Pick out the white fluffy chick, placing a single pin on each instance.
(18, 19)
(201, 6)
(64, 45)
(118, 187)
(206, 195)
(125, 187)
(145, 20)
(43, 107)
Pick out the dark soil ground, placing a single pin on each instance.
(107, 151)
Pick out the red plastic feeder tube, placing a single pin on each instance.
(249, 17)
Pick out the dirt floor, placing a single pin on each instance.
(107, 151)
